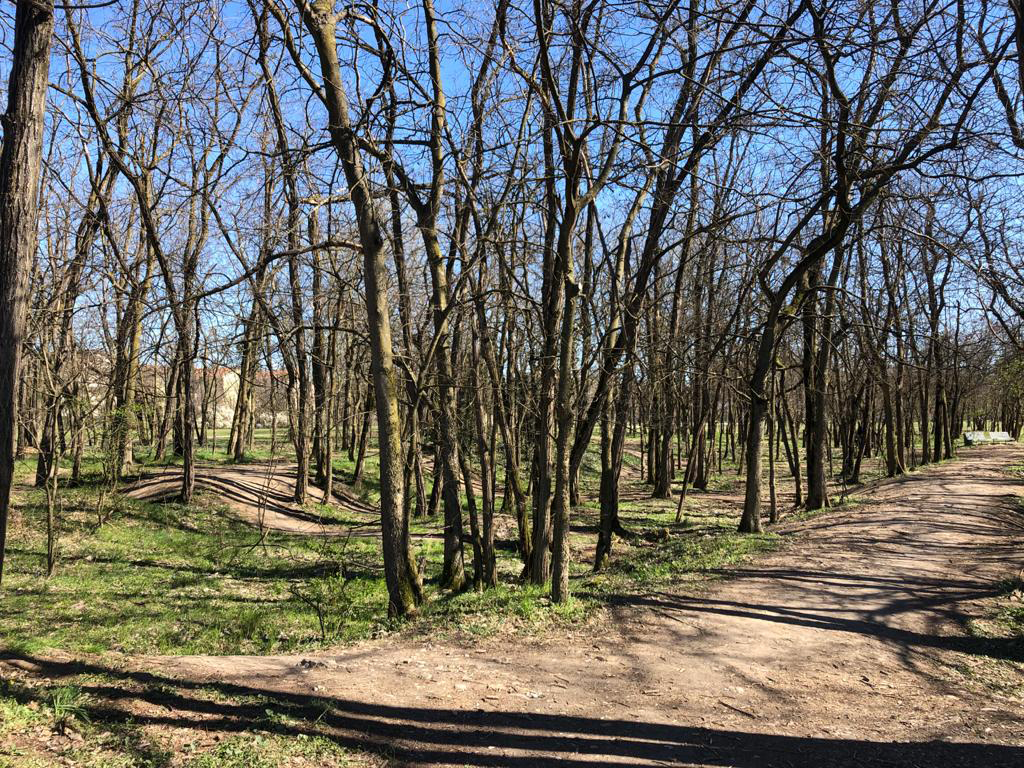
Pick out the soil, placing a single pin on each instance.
(849, 646)
(261, 494)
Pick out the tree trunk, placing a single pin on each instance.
(404, 589)
(20, 161)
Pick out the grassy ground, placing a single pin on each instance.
(42, 725)
(1011, 614)
(163, 578)
(1002, 619)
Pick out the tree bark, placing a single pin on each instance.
(20, 162)
(404, 588)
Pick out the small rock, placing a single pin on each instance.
(317, 663)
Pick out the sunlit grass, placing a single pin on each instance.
(164, 578)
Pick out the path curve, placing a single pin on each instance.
(261, 494)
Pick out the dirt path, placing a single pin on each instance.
(261, 494)
(837, 650)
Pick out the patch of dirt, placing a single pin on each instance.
(262, 494)
(840, 649)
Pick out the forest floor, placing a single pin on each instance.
(889, 633)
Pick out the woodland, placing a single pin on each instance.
(323, 322)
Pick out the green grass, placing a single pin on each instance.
(16, 714)
(681, 556)
(43, 724)
(1001, 626)
(267, 750)
(1011, 617)
(46, 725)
(164, 578)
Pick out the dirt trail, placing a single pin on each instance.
(837, 650)
(262, 493)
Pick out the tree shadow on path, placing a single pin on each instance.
(475, 737)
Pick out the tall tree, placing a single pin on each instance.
(404, 589)
(20, 162)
